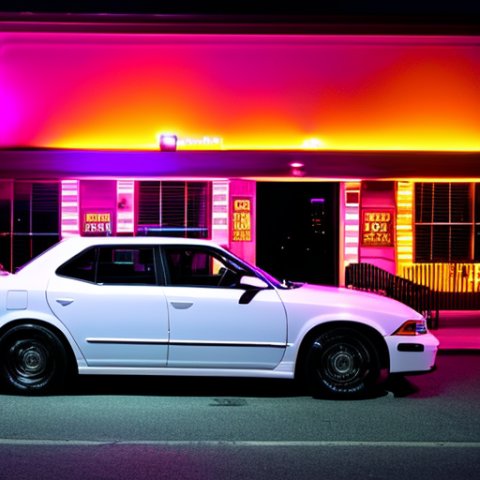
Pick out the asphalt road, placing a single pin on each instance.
(425, 427)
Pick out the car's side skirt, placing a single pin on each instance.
(189, 372)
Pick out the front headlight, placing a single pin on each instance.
(412, 328)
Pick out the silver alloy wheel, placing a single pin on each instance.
(29, 360)
(32, 359)
(342, 363)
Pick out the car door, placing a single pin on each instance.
(109, 299)
(214, 321)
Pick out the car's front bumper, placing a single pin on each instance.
(412, 354)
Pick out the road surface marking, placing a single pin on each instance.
(239, 443)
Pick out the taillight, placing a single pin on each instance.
(412, 328)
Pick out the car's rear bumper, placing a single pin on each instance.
(412, 354)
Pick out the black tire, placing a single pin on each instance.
(32, 360)
(342, 363)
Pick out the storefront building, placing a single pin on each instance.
(300, 149)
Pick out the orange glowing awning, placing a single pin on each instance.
(93, 90)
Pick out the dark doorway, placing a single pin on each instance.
(297, 230)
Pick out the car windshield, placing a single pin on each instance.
(262, 273)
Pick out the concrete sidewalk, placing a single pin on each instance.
(458, 330)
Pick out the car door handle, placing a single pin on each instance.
(181, 305)
(64, 301)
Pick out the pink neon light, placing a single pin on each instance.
(69, 211)
(126, 206)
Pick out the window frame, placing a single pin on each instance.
(157, 273)
(214, 253)
(153, 217)
(433, 228)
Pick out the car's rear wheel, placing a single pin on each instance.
(32, 359)
(342, 363)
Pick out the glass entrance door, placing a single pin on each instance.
(297, 230)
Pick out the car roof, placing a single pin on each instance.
(150, 240)
(70, 246)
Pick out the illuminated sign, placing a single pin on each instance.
(241, 219)
(377, 228)
(205, 143)
(97, 224)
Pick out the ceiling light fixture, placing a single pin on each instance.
(168, 142)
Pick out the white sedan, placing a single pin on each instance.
(170, 306)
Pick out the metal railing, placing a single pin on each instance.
(456, 286)
(365, 276)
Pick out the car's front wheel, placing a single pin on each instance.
(32, 359)
(342, 363)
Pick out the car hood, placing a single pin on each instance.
(347, 300)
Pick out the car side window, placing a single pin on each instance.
(80, 267)
(126, 265)
(197, 266)
(113, 265)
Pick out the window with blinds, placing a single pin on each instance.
(45, 208)
(446, 222)
(173, 208)
(36, 224)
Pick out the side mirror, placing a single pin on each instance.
(253, 282)
(253, 286)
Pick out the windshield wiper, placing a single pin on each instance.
(290, 285)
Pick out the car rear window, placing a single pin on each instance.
(113, 265)
(80, 267)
